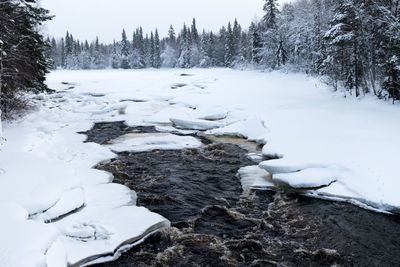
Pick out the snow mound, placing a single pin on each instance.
(194, 124)
(307, 179)
(139, 142)
(254, 177)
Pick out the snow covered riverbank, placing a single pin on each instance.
(297, 116)
(45, 168)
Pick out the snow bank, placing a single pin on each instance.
(56, 209)
(297, 117)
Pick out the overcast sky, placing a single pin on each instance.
(86, 19)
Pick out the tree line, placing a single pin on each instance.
(354, 43)
(187, 49)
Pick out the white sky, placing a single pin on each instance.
(86, 19)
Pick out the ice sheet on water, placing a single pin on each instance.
(194, 124)
(307, 178)
(287, 165)
(140, 142)
(251, 128)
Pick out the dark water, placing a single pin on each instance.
(216, 224)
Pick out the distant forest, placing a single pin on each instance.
(356, 43)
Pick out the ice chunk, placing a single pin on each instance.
(251, 128)
(308, 178)
(195, 124)
(254, 177)
(286, 165)
(146, 142)
(93, 233)
(70, 201)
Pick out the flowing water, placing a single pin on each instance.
(215, 223)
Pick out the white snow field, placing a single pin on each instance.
(57, 210)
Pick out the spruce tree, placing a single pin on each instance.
(271, 14)
(115, 59)
(229, 47)
(124, 51)
(157, 50)
(391, 82)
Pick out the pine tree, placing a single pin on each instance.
(344, 52)
(171, 37)
(185, 48)
(157, 50)
(237, 39)
(115, 59)
(152, 51)
(124, 51)
(96, 55)
(391, 82)
(229, 47)
(256, 44)
(271, 14)
(169, 55)
(272, 45)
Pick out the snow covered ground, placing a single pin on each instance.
(346, 147)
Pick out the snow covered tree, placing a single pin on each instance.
(391, 82)
(157, 50)
(125, 53)
(237, 40)
(169, 55)
(185, 48)
(115, 59)
(344, 46)
(23, 62)
(271, 14)
(256, 43)
(272, 46)
(229, 47)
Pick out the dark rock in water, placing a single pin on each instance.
(216, 224)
